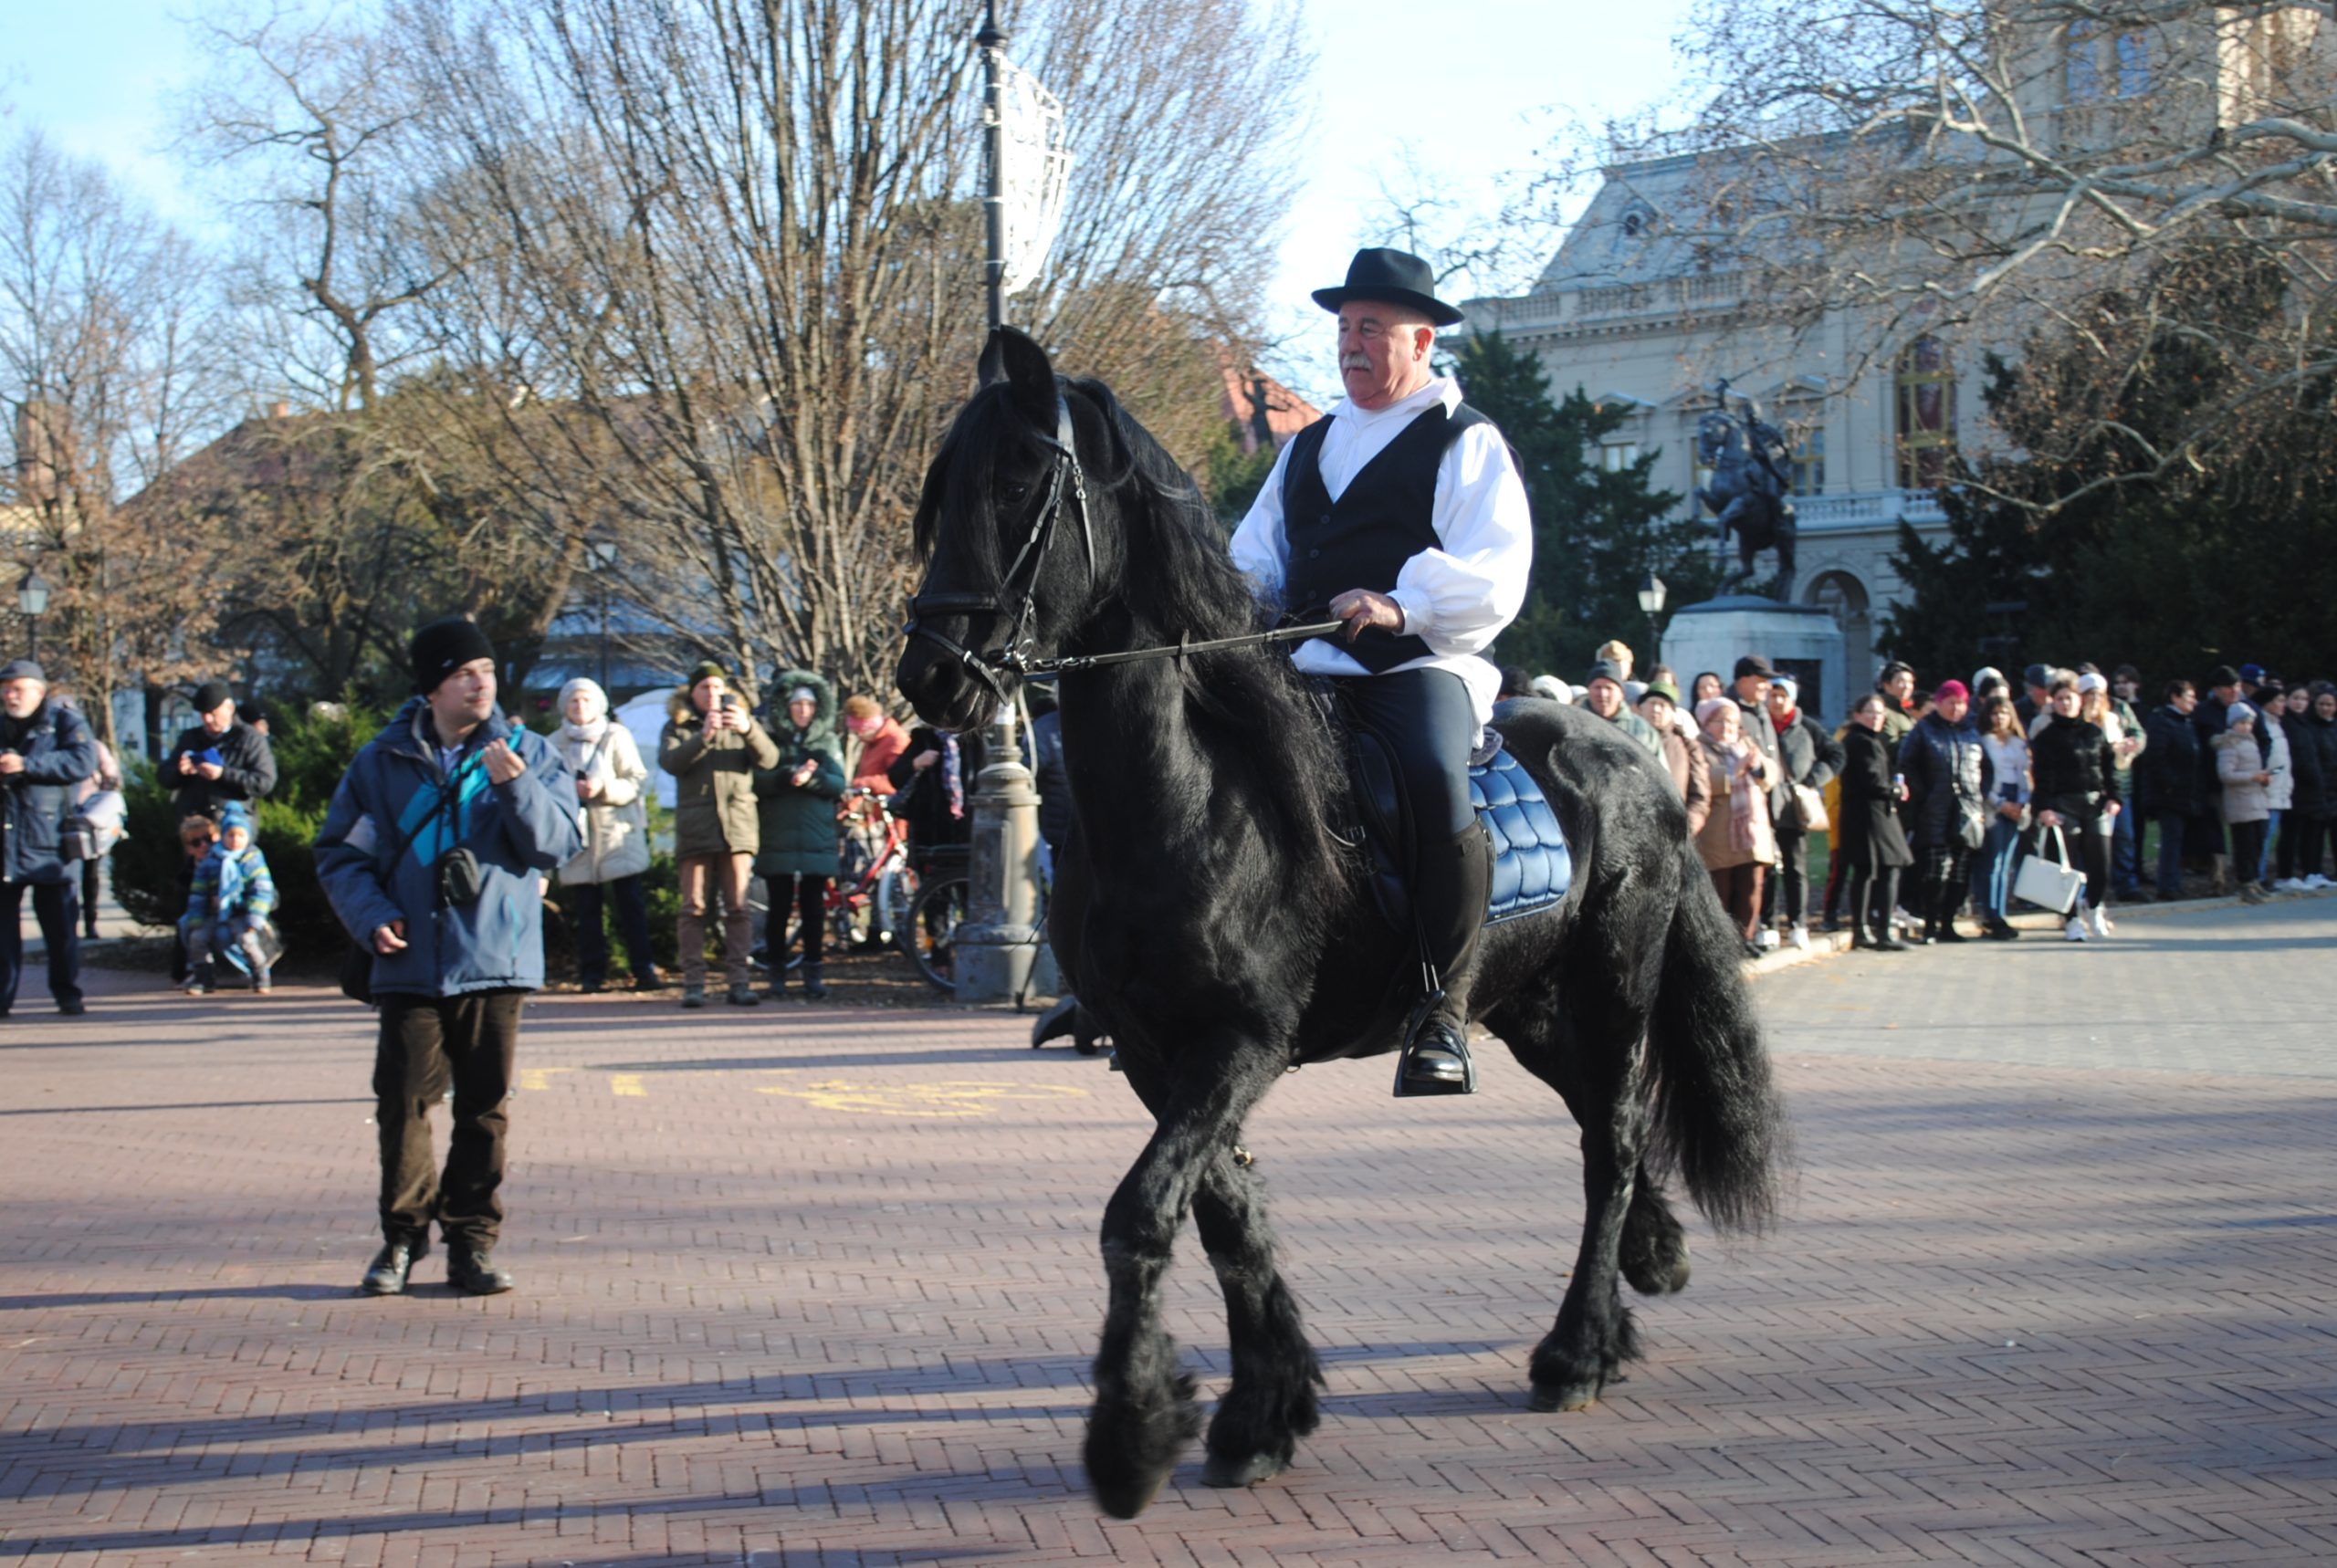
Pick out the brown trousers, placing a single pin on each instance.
(425, 1044)
(728, 876)
(1739, 887)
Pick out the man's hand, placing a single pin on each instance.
(923, 761)
(186, 765)
(390, 938)
(503, 764)
(209, 769)
(10, 762)
(2009, 811)
(1359, 608)
(2048, 819)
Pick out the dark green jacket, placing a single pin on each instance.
(798, 820)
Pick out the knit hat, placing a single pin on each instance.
(1711, 706)
(22, 670)
(1605, 670)
(1663, 689)
(1790, 687)
(1986, 674)
(444, 646)
(1550, 688)
(590, 688)
(2251, 673)
(804, 694)
(210, 695)
(237, 815)
(2238, 713)
(703, 669)
(1951, 691)
(2222, 676)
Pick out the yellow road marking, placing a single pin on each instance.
(532, 1079)
(953, 1098)
(627, 1085)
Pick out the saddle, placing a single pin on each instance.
(1532, 865)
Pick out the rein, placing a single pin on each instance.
(1017, 655)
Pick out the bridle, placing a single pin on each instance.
(1017, 655)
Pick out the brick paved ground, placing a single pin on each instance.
(818, 1288)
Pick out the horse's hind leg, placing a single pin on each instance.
(1270, 1402)
(1145, 1412)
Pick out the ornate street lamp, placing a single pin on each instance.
(32, 599)
(604, 556)
(1650, 596)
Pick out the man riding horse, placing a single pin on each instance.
(1402, 514)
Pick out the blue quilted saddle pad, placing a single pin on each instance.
(1532, 867)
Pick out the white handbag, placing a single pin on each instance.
(2053, 884)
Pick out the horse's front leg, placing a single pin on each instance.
(1145, 1411)
(1270, 1402)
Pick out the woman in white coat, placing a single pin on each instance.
(610, 779)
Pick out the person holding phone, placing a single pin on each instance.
(799, 856)
(712, 746)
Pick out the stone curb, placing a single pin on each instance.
(1827, 943)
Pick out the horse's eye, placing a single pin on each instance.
(1013, 493)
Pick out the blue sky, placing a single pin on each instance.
(1474, 106)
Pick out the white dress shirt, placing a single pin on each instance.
(1456, 598)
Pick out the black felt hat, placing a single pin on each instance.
(1396, 276)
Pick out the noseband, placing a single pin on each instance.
(1017, 655)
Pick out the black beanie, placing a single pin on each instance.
(210, 695)
(444, 646)
(2223, 676)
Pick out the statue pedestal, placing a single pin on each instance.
(1801, 640)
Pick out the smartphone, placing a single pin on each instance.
(730, 699)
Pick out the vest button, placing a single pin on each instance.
(1312, 553)
(1326, 519)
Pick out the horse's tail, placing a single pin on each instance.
(1718, 1119)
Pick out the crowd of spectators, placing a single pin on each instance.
(1929, 801)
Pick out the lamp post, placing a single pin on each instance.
(1650, 596)
(32, 598)
(604, 556)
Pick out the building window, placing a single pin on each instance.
(1808, 458)
(2082, 57)
(1926, 415)
(1614, 456)
(2133, 53)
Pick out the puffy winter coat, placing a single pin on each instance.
(616, 820)
(2237, 766)
(2168, 772)
(872, 768)
(395, 799)
(2280, 793)
(58, 753)
(1683, 759)
(1947, 784)
(798, 820)
(254, 892)
(2073, 767)
(1715, 844)
(1809, 756)
(714, 776)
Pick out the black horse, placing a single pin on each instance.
(1212, 919)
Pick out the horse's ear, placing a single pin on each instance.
(1013, 357)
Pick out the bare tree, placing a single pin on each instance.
(1887, 169)
(108, 367)
(718, 265)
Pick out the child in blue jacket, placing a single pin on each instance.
(231, 899)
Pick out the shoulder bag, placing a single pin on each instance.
(2053, 884)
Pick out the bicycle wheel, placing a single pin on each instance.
(933, 918)
(853, 921)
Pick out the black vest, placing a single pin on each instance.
(1385, 516)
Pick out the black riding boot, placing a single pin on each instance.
(1449, 892)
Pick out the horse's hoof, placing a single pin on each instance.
(1242, 1470)
(1129, 1496)
(1579, 1393)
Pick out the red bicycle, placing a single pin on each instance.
(868, 901)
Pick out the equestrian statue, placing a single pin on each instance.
(1751, 491)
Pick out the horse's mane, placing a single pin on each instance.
(1177, 577)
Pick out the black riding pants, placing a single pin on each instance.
(1430, 722)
